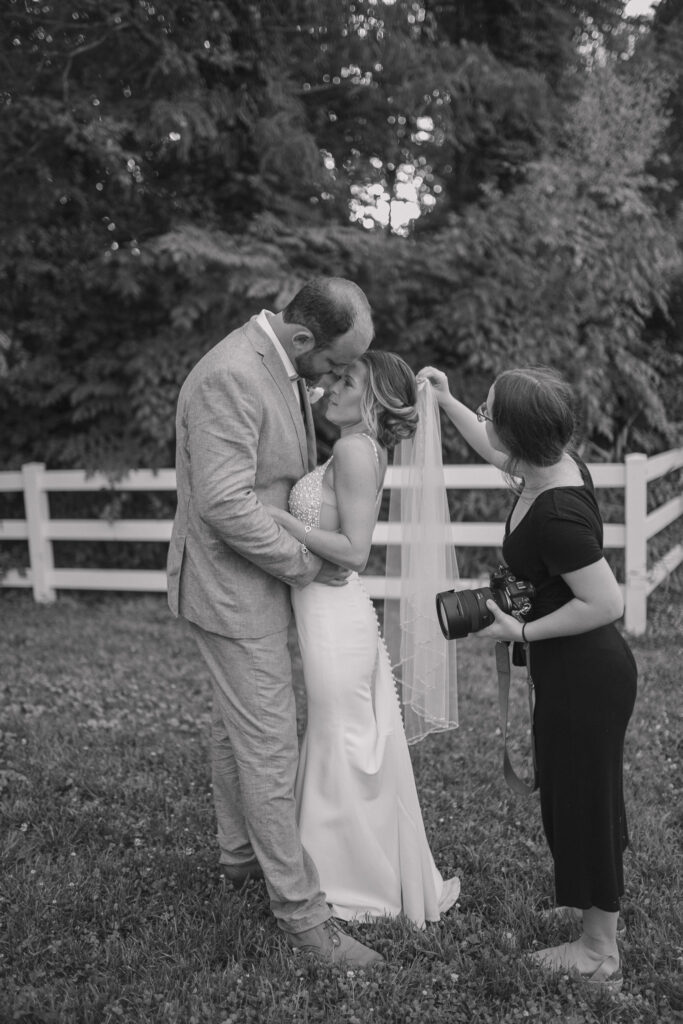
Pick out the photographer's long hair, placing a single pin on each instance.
(534, 416)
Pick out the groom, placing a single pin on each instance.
(244, 436)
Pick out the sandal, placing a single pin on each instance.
(606, 979)
(606, 975)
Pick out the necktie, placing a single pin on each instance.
(307, 417)
(300, 391)
(302, 394)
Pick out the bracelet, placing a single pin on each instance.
(307, 530)
(524, 639)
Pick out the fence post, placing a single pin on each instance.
(635, 515)
(37, 509)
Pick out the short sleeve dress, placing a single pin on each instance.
(585, 689)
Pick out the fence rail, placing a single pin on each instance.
(39, 530)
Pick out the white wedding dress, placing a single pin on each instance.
(357, 804)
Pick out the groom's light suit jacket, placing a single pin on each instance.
(241, 442)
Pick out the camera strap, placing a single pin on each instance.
(513, 780)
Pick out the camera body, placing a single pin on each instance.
(464, 611)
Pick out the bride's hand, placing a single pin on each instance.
(332, 575)
(505, 627)
(438, 380)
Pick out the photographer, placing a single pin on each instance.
(583, 671)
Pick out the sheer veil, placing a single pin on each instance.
(423, 661)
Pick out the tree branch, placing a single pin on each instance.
(85, 49)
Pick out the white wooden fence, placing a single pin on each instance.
(40, 531)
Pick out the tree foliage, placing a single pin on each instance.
(566, 268)
(172, 166)
(660, 52)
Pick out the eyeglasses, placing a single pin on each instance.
(482, 413)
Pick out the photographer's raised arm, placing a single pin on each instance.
(463, 419)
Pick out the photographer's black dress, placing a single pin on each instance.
(585, 691)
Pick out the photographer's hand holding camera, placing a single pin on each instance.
(558, 594)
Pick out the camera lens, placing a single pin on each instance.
(446, 613)
(463, 611)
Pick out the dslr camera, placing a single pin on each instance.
(464, 611)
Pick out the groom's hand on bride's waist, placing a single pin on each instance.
(332, 575)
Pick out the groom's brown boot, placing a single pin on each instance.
(328, 942)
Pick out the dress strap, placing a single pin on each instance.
(375, 449)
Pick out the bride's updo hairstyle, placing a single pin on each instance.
(389, 403)
(533, 414)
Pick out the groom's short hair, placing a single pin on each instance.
(328, 307)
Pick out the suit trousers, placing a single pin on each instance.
(254, 758)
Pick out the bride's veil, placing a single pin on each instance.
(423, 661)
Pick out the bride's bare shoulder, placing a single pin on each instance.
(355, 451)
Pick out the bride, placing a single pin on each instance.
(357, 804)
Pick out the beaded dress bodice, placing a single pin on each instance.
(306, 496)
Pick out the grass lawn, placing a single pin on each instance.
(112, 905)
